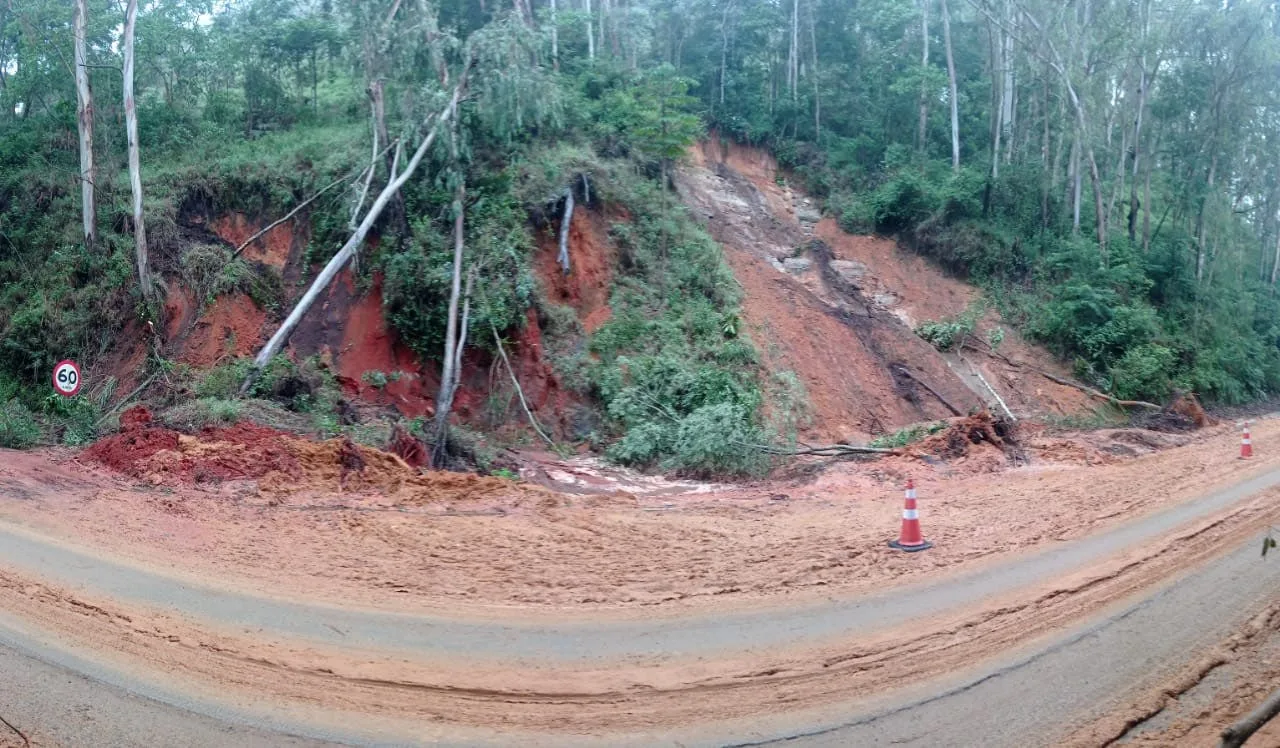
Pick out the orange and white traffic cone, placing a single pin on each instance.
(1246, 443)
(910, 539)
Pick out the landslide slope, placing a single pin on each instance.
(840, 310)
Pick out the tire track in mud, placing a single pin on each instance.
(619, 696)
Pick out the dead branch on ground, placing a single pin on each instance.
(1066, 383)
(907, 372)
(25, 740)
(829, 450)
(1239, 733)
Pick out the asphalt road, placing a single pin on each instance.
(1021, 698)
(55, 705)
(583, 641)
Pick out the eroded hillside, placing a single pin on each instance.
(839, 310)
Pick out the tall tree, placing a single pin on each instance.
(135, 159)
(952, 92)
(923, 130)
(84, 124)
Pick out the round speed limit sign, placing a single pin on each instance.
(66, 378)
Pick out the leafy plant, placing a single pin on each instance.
(18, 426)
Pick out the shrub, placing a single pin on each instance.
(18, 426)
(949, 333)
(1143, 372)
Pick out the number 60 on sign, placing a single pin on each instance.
(66, 379)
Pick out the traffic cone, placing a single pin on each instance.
(1246, 444)
(910, 539)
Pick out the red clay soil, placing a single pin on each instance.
(125, 359)
(592, 258)
(231, 327)
(850, 358)
(920, 292)
(145, 450)
(281, 463)
(408, 447)
(273, 249)
(844, 322)
(125, 450)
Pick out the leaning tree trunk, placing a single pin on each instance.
(348, 250)
(135, 166)
(84, 122)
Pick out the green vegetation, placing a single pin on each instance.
(1111, 188)
(950, 333)
(18, 429)
(909, 435)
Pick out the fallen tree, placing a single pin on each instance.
(349, 249)
(1239, 733)
(829, 450)
(1065, 382)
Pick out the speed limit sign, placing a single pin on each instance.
(66, 378)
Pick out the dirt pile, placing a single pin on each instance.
(281, 463)
(964, 434)
(138, 440)
(1183, 413)
(144, 449)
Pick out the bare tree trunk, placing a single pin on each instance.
(452, 350)
(604, 22)
(135, 165)
(591, 37)
(348, 250)
(724, 47)
(1239, 733)
(817, 95)
(1007, 90)
(1076, 181)
(794, 58)
(1047, 177)
(994, 36)
(368, 181)
(396, 213)
(1275, 266)
(952, 92)
(1146, 209)
(1200, 229)
(1137, 123)
(922, 133)
(555, 37)
(565, 223)
(84, 121)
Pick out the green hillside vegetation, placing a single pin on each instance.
(1106, 179)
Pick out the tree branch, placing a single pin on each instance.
(1237, 734)
(519, 390)
(294, 212)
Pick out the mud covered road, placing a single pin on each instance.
(1065, 631)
